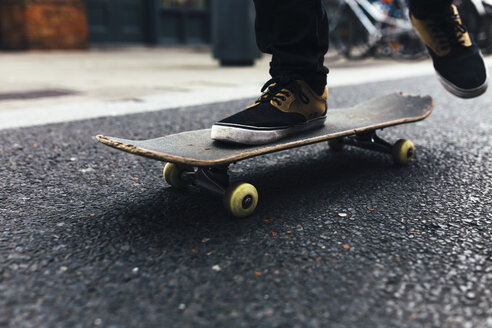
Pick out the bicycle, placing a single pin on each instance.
(381, 28)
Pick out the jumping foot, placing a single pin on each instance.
(457, 60)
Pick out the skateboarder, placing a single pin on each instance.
(295, 32)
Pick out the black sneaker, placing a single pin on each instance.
(287, 107)
(457, 60)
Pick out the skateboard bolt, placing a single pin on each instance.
(247, 201)
(410, 153)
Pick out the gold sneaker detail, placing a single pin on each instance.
(436, 38)
(309, 104)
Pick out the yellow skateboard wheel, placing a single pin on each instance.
(172, 174)
(336, 144)
(240, 199)
(403, 151)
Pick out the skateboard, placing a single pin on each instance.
(193, 158)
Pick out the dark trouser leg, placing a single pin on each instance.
(429, 8)
(295, 32)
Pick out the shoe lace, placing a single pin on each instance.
(279, 88)
(448, 31)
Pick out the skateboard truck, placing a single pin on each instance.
(240, 198)
(213, 180)
(401, 151)
(369, 140)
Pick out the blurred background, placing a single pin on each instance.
(80, 24)
(102, 52)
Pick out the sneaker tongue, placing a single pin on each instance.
(465, 37)
(456, 31)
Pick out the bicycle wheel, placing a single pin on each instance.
(348, 35)
(406, 46)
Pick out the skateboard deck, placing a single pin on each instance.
(194, 158)
(195, 148)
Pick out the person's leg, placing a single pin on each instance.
(295, 32)
(457, 60)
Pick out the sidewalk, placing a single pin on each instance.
(44, 87)
(116, 74)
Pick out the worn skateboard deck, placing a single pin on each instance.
(196, 148)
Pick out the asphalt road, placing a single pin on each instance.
(93, 237)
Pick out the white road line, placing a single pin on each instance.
(81, 111)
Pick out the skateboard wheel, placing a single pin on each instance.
(336, 144)
(403, 151)
(240, 199)
(172, 175)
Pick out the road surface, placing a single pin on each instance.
(91, 236)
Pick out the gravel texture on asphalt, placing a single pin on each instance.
(91, 236)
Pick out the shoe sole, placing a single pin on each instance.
(463, 93)
(250, 135)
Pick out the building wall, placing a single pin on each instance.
(43, 24)
(73, 24)
(149, 21)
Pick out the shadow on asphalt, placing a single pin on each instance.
(287, 184)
